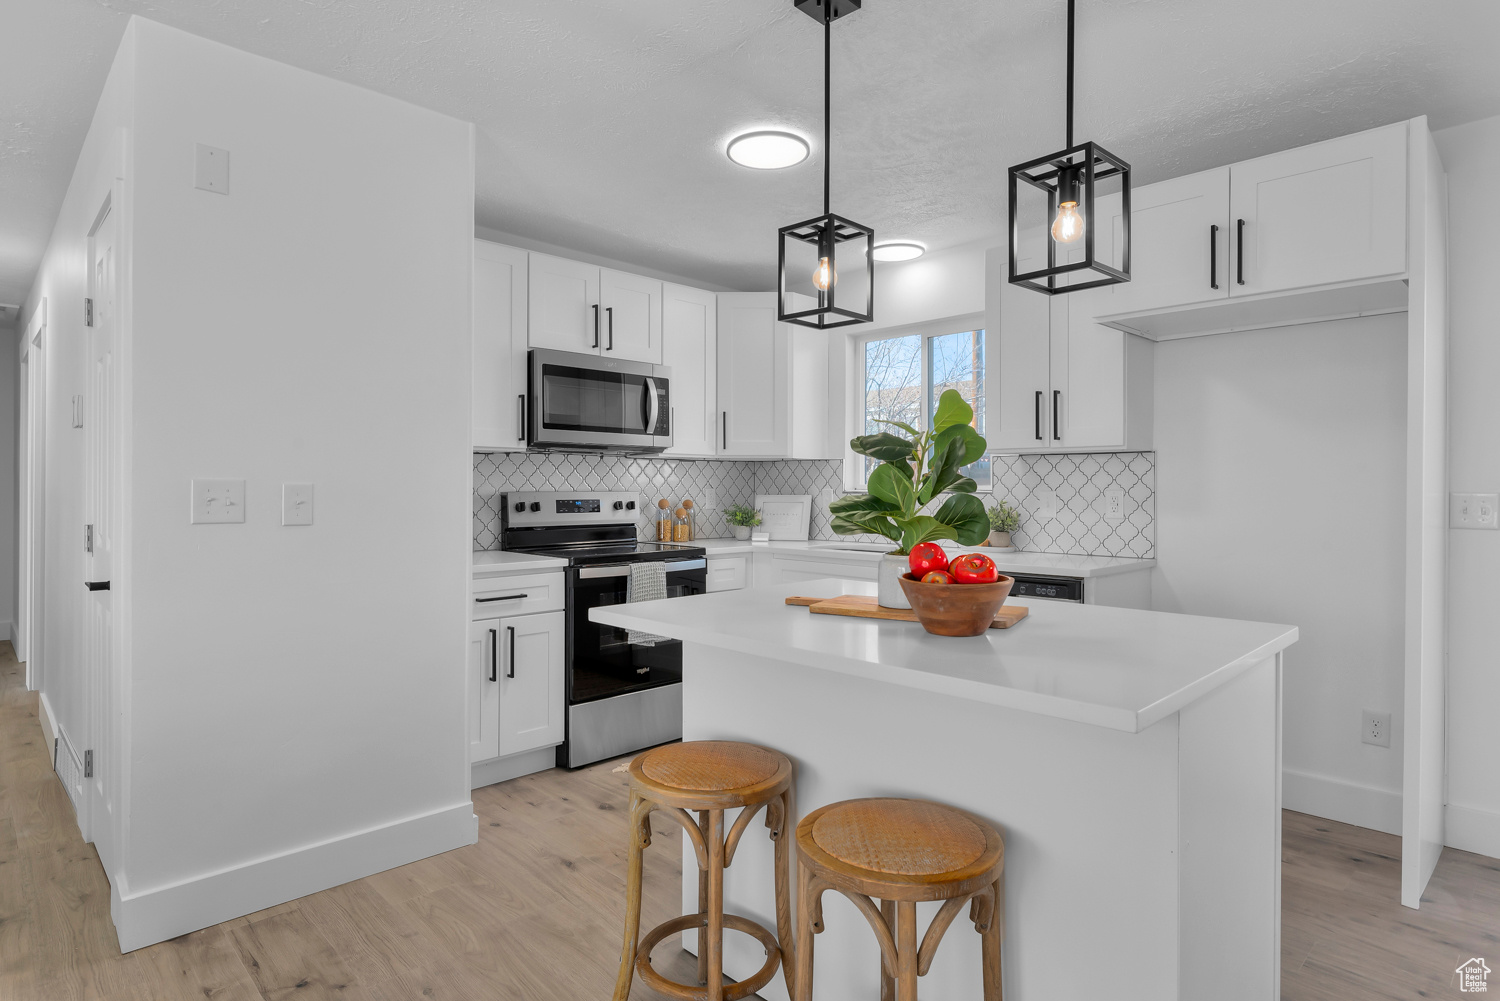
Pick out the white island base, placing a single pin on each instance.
(1138, 793)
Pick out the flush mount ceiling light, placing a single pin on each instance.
(899, 250)
(812, 291)
(768, 149)
(1069, 180)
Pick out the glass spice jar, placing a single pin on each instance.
(663, 521)
(680, 530)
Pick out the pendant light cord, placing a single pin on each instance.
(1070, 74)
(828, 99)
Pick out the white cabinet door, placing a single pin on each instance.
(564, 305)
(1019, 377)
(689, 326)
(499, 374)
(531, 681)
(484, 690)
(1179, 244)
(632, 316)
(1086, 403)
(728, 573)
(1331, 212)
(753, 374)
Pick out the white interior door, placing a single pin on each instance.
(23, 506)
(98, 536)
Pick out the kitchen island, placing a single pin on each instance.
(1132, 760)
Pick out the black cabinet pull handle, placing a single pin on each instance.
(503, 597)
(1213, 256)
(510, 669)
(595, 308)
(724, 423)
(1056, 395)
(494, 648)
(96, 585)
(521, 427)
(1038, 415)
(609, 313)
(1239, 251)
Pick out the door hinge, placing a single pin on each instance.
(88, 764)
(88, 539)
(88, 312)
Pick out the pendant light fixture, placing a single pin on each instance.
(1069, 179)
(827, 270)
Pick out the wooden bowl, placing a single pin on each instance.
(956, 609)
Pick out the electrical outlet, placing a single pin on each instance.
(218, 502)
(1375, 728)
(296, 503)
(1114, 505)
(1046, 502)
(1474, 511)
(211, 169)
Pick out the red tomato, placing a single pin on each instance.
(937, 577)
(926, 557)
(974, 568)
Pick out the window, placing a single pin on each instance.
(903, 374)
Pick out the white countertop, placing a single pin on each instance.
(497, 562)
(1054, 564)
(1120, 668)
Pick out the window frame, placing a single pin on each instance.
(854, 480)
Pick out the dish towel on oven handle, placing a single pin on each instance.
(648, 582)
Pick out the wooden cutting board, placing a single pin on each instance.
(865, 606)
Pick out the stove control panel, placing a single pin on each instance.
(540, 509)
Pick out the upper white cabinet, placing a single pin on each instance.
(585, 308)
(689, 329)
(499, 373)
(1179, 243)
(753, 383)
(1331, 212)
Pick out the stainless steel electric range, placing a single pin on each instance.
(622, 696)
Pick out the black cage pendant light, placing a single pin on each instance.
(827, 270)
(1069, 179)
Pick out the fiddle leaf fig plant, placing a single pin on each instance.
(913, 471)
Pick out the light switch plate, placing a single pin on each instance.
(296, 503)
(1474, 511)
(218, 502)
(1046, 503)
(211, 169)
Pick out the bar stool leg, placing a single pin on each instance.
(776, 818)
(906, 950)
(640, 821)
(807, 919)
(715, 929)
(703, 906)
(887, 982)
(993, 933)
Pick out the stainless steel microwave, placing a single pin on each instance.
(591, 402)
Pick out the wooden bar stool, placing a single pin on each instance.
(708, 776)
(900, 851)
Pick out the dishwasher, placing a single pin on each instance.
(1047, 588)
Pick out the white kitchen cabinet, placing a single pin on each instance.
(499, 373)
(632, 308)
(1322, 214)
(791, 567)
(1179, 243)
(728, 573)
(484, 689)
(689, 328)
(564, 305)
(532, 676)
(774, 393)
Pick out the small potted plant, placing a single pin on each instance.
(741, 520)
(1004, 519)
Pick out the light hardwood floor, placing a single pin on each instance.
(532, 912)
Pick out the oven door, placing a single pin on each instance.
(602, 662)
(585, 401)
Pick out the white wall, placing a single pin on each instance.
(294, 696)
(10, 374)
(1280, 496)
(935, 286)
(1469, 154)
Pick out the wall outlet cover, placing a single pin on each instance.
(1046, 502)
(1375, 728)
(218, 502)
(1114, 505)
(211, 169)
(1474, 511)
(296, 503)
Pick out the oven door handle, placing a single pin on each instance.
(621, 570)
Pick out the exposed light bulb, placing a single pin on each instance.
(1068, 226)
(825, 276)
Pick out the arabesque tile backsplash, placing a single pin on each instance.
(713, 485)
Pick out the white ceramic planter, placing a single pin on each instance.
(1001, 540)
(889, 593)
(741, 532)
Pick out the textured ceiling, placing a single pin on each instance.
(602, 122)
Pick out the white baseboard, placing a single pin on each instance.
(149, 916)
(1346, 802)
(8, 630)
(49, 727)
(487, 773)
(1472, 830)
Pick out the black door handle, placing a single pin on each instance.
(1038, 415)
(609, 314)
(510, 669)
(503, 597)
(1056, 394)
(96, 585)
(1239, 253)
(595, 308)
(724, 422)
(494, 648)
(521, 427)
(1213, 256)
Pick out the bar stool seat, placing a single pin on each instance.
(709, 777)
(901, 851)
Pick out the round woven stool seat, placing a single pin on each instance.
(698, 774)
(907, 837)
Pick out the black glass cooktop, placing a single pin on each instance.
(616, 552)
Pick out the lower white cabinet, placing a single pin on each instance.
(728, 573)
(790, 568)
(516, 684)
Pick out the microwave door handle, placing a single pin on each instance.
(653, 405)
